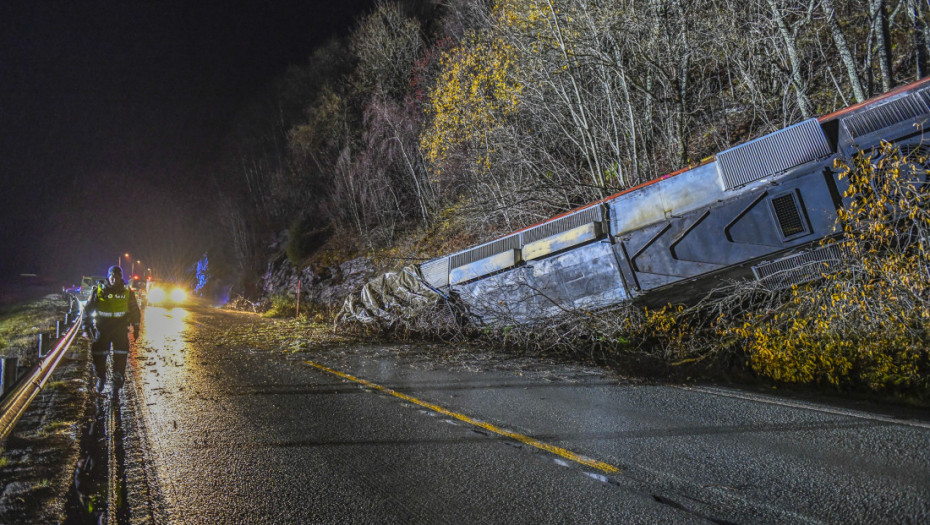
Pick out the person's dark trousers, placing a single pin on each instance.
(99, 350)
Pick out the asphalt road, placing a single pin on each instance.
(237, 434)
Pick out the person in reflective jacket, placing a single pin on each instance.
(110, 311)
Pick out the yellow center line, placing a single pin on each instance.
(567, 454)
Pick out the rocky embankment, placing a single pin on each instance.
(324, 287)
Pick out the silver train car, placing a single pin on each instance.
(757, 210)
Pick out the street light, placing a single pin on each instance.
(132, 264)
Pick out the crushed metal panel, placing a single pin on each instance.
(486, 266)
(687, 191)
(588, 278)
(887, 114)
(773, 154)
(560, 241)
(389, 298)
(500, 298)
(436, 272)
(581, 279)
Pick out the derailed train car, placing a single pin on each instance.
(758, 210)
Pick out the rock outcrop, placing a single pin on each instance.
(326, 287)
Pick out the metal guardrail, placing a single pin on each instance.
(15, 404)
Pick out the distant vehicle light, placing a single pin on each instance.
(178, 295)
(156, 295)
(163, 296)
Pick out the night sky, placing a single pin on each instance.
(112, 113)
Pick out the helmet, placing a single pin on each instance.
(115, 270)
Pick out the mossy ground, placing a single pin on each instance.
(38, 458)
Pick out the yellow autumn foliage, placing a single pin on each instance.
(476, 90)
(864, 325)
(867, 323)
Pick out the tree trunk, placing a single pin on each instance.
(883, 42)
(632, 116)
(800, 89)
(421, 197)
(919, 37)
(839, 40)
(581, 115)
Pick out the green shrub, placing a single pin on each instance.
(306, 236)
(282, 305)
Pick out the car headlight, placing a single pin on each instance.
(178, 295)
(156, 295)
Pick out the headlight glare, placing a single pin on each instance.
(156, 295)
(178, 295)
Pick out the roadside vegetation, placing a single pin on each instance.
(866, 324)
(37, 460)
(432, 127)
(859, 326)
(20, 324)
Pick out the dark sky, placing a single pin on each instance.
(111, 114)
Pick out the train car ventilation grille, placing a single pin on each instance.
(773, 154)
(511, 242)
(789, 215)
(563, 224)
(801, 267)
(436, 272)
(924, 96)
(888, 114)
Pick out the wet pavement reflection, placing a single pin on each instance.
(392, 434)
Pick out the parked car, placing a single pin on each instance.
(88, 282)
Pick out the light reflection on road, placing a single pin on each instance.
(160, 364)
(160, 357)
(165, 328)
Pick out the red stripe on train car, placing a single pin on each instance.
(873, 100)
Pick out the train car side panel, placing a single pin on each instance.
(584, 278)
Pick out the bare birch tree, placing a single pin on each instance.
(839, 40)
(789, 35)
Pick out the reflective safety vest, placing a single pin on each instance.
(112, 304)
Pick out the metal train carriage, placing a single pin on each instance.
(754, 211)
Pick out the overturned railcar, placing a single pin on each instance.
(754, 211)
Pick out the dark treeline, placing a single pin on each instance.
(506, 112)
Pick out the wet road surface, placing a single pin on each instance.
(239, 434)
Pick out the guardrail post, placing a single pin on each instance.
(57, 330)
(8, 374)
(74, 308)
(42, 345)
